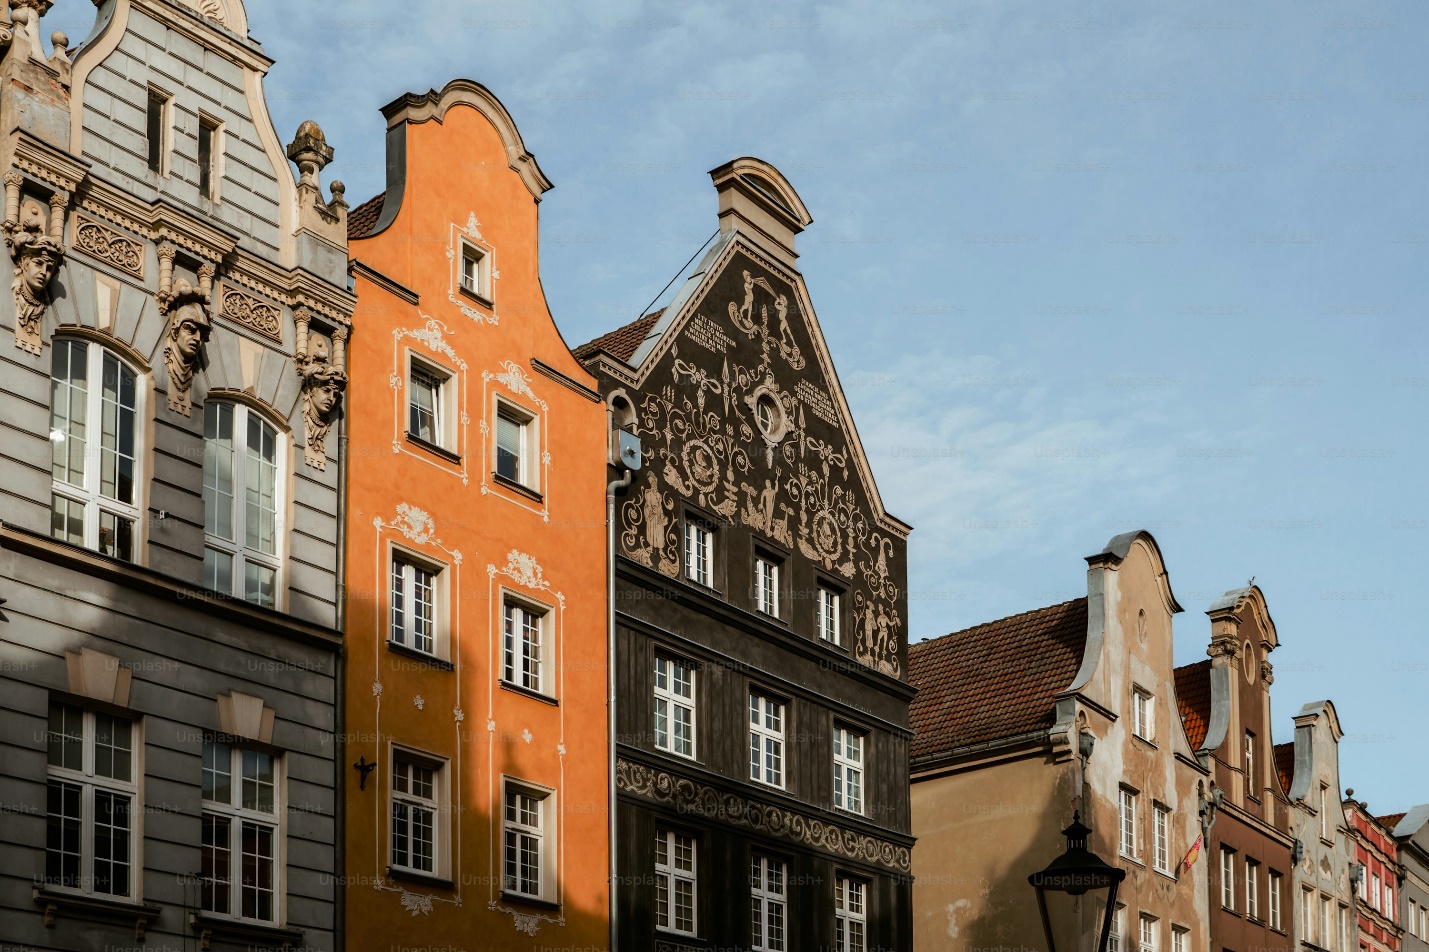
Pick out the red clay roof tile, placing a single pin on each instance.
(1193, 696)
(362, 219)
(1285, 765)
(622, 342)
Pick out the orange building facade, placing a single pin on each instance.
(475, 715)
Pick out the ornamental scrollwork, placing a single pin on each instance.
(107, 245)
(245, 309)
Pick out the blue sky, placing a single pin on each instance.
(1083, 268)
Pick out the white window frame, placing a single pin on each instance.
(1374, 898)
(413, 801)
(237, 550)
(1118, 928)
(1272, 890)
(1307, 917)
(1180, 938)
(89, 494)
(1327, 923)
(237, 816)
(766, 739)
(699, 543)
(849, 760)
(1128, 820)
(1324, 811)
(481, 257)
(827, 624)
(850, 914)
(1251, 788)
(521, 667)
(766, 585)
(528, 472)
(91, 785)
(768, 908)
(1252, 889)
(411, 564)
(1388, 907)
(1228, 878)
(670, 875)
(671, 700)
(517, 832)
(1143, 714)
(444, 392)
(1161, 838)
(216, 158)
(1149, 933)
(166, 126)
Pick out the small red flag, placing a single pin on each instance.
(1191, 854)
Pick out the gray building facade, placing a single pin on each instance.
(1412, 832)
(171, 491)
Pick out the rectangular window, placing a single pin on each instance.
(1326, 923)
(1388, 907)
(1127, 810)
(826, 616)
(676, 882)
(1143, 713)
(475, 271)
(1118, 929)
(413, 606)
(1150, 933)
(239, 838)
(1228, 878)
(241, 461)
(1307, 916)
(1180, 939)
(415, 798)
(766, 904)
(89, 842)
(699, 553)
(424, 406)
(525, 847)
(675, 706)
(850, 915)
(157, 130)
(1273, 899)
(1374, 891)
(514, 456)
(1252, 889)
(848, 770)
(210, 145)
(1324, 812)
(766, 740)
(766, 585)
(1162, 836)
(522, 646)
(1252, 785)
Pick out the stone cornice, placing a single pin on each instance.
(47, 164)
(241, 51)
(391, 286)
(694, 798)
(190, 232)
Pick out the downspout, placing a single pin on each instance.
(610, 491)
(340, 673)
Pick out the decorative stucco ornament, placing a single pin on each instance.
(324, 379)
(37, 254)
(189, 327)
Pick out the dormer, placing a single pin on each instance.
(758, 201)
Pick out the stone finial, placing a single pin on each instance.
(59, 60)
(309, 149)
(37, 253)
(189, 327)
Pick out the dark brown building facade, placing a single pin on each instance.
(762, 699)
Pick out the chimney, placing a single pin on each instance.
(756, 200)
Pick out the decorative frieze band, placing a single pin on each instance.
(105, 244)
(245, 309)
(692, 798)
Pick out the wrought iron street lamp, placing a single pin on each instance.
(1076, 872)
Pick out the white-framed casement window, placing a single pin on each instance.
(1143, 714)
(517, 446)
(1150, 933)
(674, 706)
(1272, 898)
(1252, 785)
(241, 839)
(1307, 917)
(850, 914)
(1228, 878)
(848, 770)
(826, 616)
(766, 739)
(524, 646)
(1324, 812)
(475, 271)
(158, 120)
(210, 157)
(91, 844)
(414, 604)
(1374, 890)
(1161, 838)
(1327, 924)
(428, 417)
(699, 552)
(676, 882)
(95, 415)
(1118, 929)
(1388, 907)
(528, 841)
(1252, 889)
(1180, 939)
(1128, 818)
(768, 932)
(416, 795)
(242, 503)
(766, 585)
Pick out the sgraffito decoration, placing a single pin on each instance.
(738, 423)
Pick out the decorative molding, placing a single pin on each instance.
(243, 308)
(105, 244)
(518, 382)
(692, 798)
(94, 674)
(527, 923)
(432, 335)
(324, 380)
(37, 250)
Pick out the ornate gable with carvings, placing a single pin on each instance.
(739, 419)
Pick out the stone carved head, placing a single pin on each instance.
(37, 257)
(189, 327)
(323, 387)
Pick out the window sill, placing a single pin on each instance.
(1131, 859)
(1145, 740)
(516, 487)
(208, 926)
(527, 692)
(433, 448)
(427, 659)
(54, 901)
(425, 879)
(681, 939)
(531, 901)
(476, 296)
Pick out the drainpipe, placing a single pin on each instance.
(610, 491)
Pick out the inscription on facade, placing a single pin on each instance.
(816, 400)
(709, 335)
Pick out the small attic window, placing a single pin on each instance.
(765, 188)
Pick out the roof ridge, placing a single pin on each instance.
(996, 621)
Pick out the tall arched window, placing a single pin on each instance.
(242, 457)
(94, 414)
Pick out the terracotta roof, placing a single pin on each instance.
(1193, 696)
(1391, 821)
(362, 219)
(1285, 764)
(994, 680)
(622, 342)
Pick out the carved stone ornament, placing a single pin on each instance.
(245, 309)
(189, 328)
(105, 244)
(37, 252)
(324, 380)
